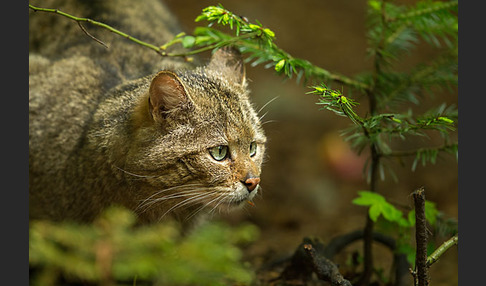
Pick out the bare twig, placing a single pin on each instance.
(103, 25)
(421, 269)
(91, 36)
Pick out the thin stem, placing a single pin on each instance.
(442, 249)
(216, 45)
(375, 155)
(91, 36)
(103, 25)
(368, 230)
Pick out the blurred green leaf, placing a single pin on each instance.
(188, 41)
(114, 247)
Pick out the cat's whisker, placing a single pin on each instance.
(266, 104)
(224, 197)
(269, 121)
(194, 200)
(188, 201)
(220, 199)
(151, 199)
(167, 200)
(219, 196)
(133, 174)
(180, 190)
(261, 117)
(183, 194)
(217, 205)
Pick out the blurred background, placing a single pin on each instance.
(311, 176)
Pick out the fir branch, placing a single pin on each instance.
(395, 28)
(448, 148)
(249, 38)
(441, 119)
(289, 65)
(217, 14)
(414, 126)
(227, 41)
(335, 101)
(433, 20)
(264, 50)
(425, 155)
(422, 11)
(399, 87)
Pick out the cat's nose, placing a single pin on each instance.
(251, 183)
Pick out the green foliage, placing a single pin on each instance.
(224, 17)
(378, 205)
(209, 256)
(335, 101)
(402, 223)
(257, 42)
(392, 29)
(114, 249)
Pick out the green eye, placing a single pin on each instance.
(219, 153)
(253, 149)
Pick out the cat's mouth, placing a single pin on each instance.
(224, 198)
(241, 196)
(242, 202)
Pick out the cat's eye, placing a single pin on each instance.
(253, 148)
(219, 153)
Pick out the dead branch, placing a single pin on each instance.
(421, 275)
(308, 259)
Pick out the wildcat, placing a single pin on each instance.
(160, 137)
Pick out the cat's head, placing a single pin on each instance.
(201, 144)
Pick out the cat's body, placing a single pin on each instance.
(178, 143)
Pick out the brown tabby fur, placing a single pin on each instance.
(126, 126)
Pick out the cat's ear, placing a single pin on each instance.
(229, 62)
(166, 94)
